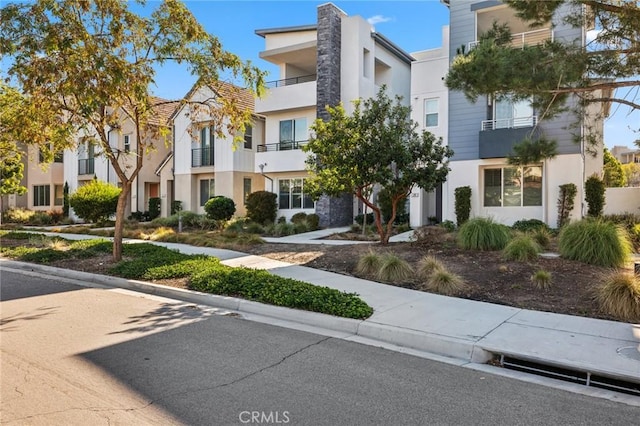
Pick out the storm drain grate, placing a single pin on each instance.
(574, 376)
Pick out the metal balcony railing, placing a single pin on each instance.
(86, 166)
(282, 146)
(202, 157)
(509, 123)
(290, 81)
(529, 38)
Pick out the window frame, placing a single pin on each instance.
(211, 183)
(428, 112)
(248, 137)
(126, 143)
(41, 199)
(507, 199)
(58, 201)
(293, 196)
(245, 193)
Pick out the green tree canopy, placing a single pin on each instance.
(614, 176)
(549, 73)
(377, 145)
(91, 64)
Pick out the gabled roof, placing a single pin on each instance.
(222, 89)
(163, 110)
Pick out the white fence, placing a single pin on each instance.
(622, 200)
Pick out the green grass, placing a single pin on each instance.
(151, 262)
(619, 296)
(596, 242)
(522, 248)
(542, 236)
(445, 282)
(541, 279)
(483, 234)
(394, 269)
(369, 264)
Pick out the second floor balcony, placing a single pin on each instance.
(498, 137)
(281, 146)
(285, 156)
(202, 157)
(86, 166)
(528, 38)
(288, 93)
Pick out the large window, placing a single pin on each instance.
(292, 132)
(509, 113)
(292, 195)
(431, 112)
(248, 137)
(58, 195)
(41, 195)
(513, 187)
(207, 190)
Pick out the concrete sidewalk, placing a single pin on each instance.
(464, 330)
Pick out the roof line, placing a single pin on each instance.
(392, 47)
(265, 31)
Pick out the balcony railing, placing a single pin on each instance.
(509, 123)
(201, 157)
(290, 81)
(282, 146)
(528, 38)
(86, 166)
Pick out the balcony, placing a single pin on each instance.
(281, 146)
(86, 166)
(528, 38)
(202, 157)
(287, 94)
(281, 157)
(497, 137)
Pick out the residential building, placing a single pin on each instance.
(87, 161)
(626, 155)
(203, 165)
(482, 134)
(339, 58)
(429, 108)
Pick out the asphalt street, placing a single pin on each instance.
(80, 355)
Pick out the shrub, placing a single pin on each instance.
(299, 217)
(596, 242)
(283, 229)
(619, 296)
(522, 248)
(282, 219)
(428, 265)
(483, 234)
(565, 203)
(261, 207)
(18, 215)
(313, 222)
(384, 202)
(359, 219)
(263, 287)
(542, 237)
(394, 269)
(594, 195)
(65, 199)
(254, 228)
(369, 264)
(95, 201)
(220, 208)
(541, 279)
(154, 208)
(631, 222)
(41, 218)
(176, 206)
(300, 228)
(527, 225)
(445, 282)
(448, 225)
(462, 204)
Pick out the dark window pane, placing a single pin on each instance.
(284, 198)
(492, 187)
(532, 190)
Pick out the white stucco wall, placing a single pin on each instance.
(622, 200)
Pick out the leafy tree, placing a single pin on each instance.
(90, 63)
(594, 195)
(261, 207)
(631, 174)
(96, 201)
(220, 208)
(613, 175)
(376, 145)
(552, 72)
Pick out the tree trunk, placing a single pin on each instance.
(119, 226)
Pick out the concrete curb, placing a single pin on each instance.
(412, 339)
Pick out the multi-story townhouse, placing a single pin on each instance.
(338, 59)
(482, 134)
(429, 109)
(88, 161)
(202, 165)
(626, 155)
